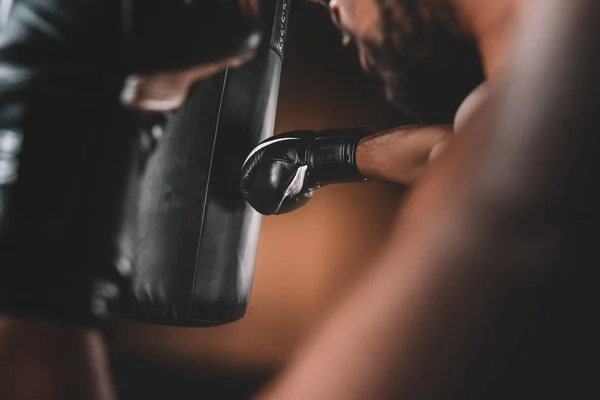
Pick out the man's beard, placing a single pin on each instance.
(428, 71)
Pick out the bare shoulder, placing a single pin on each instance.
(470, 105)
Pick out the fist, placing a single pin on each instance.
(282, 172)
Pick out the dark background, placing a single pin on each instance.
(306, 259)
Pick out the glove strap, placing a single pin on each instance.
(331, 157)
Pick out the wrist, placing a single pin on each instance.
(400, 155)
(366, 162)
(333, 156)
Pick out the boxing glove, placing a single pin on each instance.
(281, 173)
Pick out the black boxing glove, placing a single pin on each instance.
(281, 173)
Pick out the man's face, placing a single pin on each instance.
(418, 49)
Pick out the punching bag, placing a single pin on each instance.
(197, 236)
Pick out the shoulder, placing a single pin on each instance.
(470, 105)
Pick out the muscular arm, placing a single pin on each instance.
(281, 173)
(480, 238)
(399, 155)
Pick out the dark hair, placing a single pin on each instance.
(434, 63)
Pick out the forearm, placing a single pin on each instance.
(48, 361)
(399, 155)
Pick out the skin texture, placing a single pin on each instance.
(399, 155)
(492, 245)
(402, 155)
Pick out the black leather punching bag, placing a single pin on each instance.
(198, 237)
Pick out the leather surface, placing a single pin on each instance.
(198, 237)
(281, 173)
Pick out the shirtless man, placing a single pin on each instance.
(409, 331)
(426, 75)
(484, 289)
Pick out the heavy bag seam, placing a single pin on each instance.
(210, 165)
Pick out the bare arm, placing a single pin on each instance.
(481, 238)
(400, 155)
